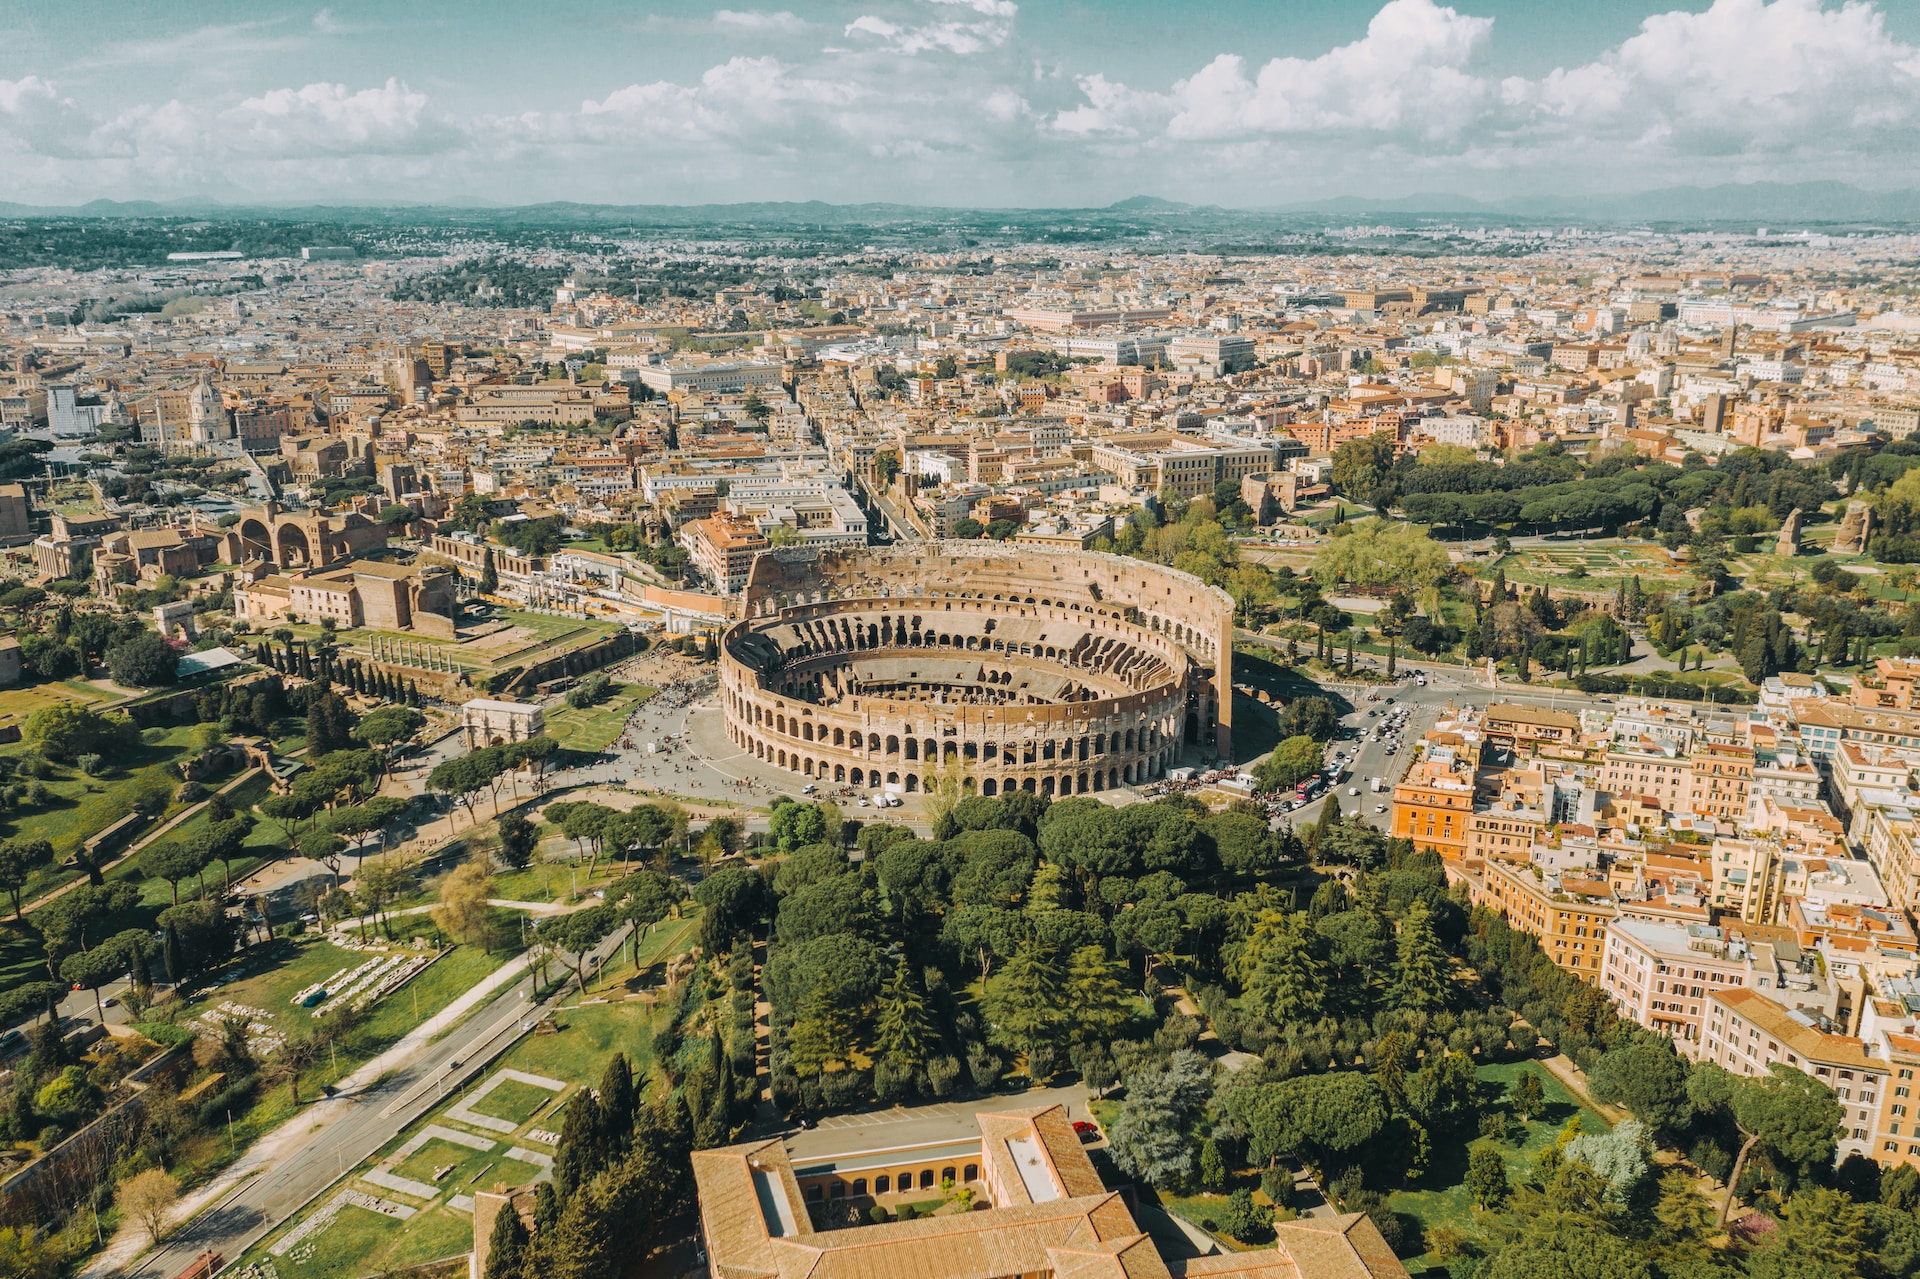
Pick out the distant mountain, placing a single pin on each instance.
(1148, 204)
(1782, 205)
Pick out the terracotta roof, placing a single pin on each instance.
(754, 1218)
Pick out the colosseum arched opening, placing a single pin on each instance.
(1005, 668)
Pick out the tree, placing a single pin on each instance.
(1422, 974)
(387, 727)
(330, 723)
(1281, 969)
(1026, 1001)
(1150, 1138)
(1292, 762)
(148, 1198)
(886, 465)
(462, 912)
(1795, 1117)
(19, 858)
(903, 1036)
(576, 935)
(1621, 1157)
(795, 825)
(1387, 556)
(518, 840)
(1312, 717)
(378, 882)
(1649, 1078)
(1487, 1175)
(66, 730)
(1100, 1005)
(92, 969)
(1527, 1096)
(507, 1246)
(1359, 465)
(461, 777)
(145, 661)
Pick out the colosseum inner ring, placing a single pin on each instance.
(1058, 672)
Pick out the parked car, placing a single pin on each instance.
(1086, 1130)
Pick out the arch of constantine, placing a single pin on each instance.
(1060, 672)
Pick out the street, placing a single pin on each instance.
(353, 1125)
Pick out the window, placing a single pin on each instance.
(971, 1172)
(926, 1179)
(882, 1184)
(859, 1185)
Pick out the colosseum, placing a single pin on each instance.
(1007, 667)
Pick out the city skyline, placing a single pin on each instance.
(950, 102)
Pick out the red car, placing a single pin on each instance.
(1086, 1130)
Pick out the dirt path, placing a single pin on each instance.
(1574, 1082)
(137, 846)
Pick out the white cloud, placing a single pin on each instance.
(989, 30)
(758, 20)
(940, 100)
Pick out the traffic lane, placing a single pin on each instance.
(257, 1207)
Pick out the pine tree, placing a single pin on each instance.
(1101, 1002)
(1025, 1000)
(546, 1208)
(1284, 978)
(1421, 980)
(507, 1246)
(902, 1035)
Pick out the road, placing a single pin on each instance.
(351, 1127)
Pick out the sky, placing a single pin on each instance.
(974, 103)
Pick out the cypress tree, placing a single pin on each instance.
(489, 576)
(546, 1208)
(580, 1156)
(507, 1249)
(616, 1104)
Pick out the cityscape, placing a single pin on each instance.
(953, 639)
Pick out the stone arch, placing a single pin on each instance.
(295, 549)
(256, 540)
(913, 783)
(989, 787)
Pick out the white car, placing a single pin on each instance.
(1353, 790)
(1379, 808)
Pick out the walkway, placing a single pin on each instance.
(139, 845)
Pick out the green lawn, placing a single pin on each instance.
(590, 729)
(513, 1101)
(1442, 1200)
(16, 704)
(360, 1243)
(81, 806)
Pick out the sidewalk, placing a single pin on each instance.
(137, 846)
(275, 1147)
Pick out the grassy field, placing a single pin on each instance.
(16, 704)
(361, 1243)
(1442, 1200)
(595, 726)
(513, 1101)
(268, 980)
(81, 806)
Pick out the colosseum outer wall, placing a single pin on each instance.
(1166, 636)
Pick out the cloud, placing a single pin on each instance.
(1743, 75)
(783, 22)
(990, 29)
(941, 100)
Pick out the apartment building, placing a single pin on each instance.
(1718, 779)
(1662, 776)
(1520, 727)
(1746, 1033)
(1661, 975)
(1569, 916)
(1433, 805)
(1746, 877)
(1507, 830)
(722, 548)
